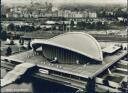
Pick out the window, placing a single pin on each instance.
(66, 75)
(83, 79)
(74, 77)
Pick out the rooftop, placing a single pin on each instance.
(111, 49)
(88, 70)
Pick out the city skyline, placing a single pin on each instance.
(60, 2)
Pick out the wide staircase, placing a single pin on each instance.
(16, 73)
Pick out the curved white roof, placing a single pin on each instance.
(79, 42)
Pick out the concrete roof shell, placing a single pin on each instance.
(79, 42)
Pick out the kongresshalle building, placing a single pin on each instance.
(76, 59)
(71, 48)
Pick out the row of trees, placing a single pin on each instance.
(9, 49)
(123, 22)
(113, 15)
(94, 25)
(4, 35)
(24, 28)
(81, 26)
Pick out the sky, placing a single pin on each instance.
(122, 2)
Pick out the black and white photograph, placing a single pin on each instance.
(64, 46)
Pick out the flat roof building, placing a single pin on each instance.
(75, 54)
(111, 49)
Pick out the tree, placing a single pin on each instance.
(3, 35)
(8, 51)
(12, 42)
(81, 25)
(98, 25)
(11, 26)
(17, 28)
(20, 40)
(72, 23)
